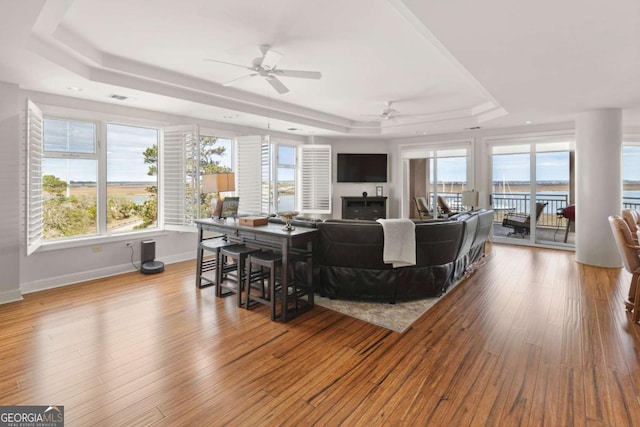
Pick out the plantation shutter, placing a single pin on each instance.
(315, 179)
(249, 173)
(267, 184)
(180, 177)
(34, 139)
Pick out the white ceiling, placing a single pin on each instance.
(458, 64)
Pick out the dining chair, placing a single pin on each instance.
(629, 252)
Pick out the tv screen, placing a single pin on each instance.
(362, 167)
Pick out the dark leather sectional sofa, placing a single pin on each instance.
(348, 258)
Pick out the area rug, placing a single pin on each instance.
(397, 317)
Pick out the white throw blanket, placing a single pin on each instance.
(399, 242)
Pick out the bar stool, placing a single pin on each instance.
(295, 297)
(226, 279)
(211, 263)
(267, 296)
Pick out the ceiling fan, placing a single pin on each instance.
(266, 67)
(390, 113)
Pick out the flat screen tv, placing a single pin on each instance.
(362, 167)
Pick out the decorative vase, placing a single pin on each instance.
(287, 217)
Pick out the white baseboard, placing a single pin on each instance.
(10, 296)
(83, 276)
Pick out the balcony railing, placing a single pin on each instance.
(520, 203)
(631, 202)
(504, 203)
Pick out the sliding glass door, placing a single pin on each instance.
(531, 192)
(631, 175)
(439, 175)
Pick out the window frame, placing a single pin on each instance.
(431, 150)
(75, 155)
(257, 149)
(101, 120)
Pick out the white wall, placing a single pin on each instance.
(340, 189)
(9, 193)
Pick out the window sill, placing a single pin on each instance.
(100, 240)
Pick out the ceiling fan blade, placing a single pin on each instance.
(298, 73)
(277, 84)
(231, 82)
(270, 59)
(229, 63)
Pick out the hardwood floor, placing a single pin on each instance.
(532, 338)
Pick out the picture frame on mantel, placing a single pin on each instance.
(378, 190)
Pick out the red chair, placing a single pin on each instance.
(568, 212)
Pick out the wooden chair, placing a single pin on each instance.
(422, 207)
(632, 218)
(521, 223)
(629, 252)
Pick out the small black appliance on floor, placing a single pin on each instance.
(147, 258)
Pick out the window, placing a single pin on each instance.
(186, 155)
(532, 177)
(71, 206)
(80, 188)
(216, 155)
(132, 181)
(438, 173)
(283, 169)
(69, 178)
(270, 187)
(630, 175)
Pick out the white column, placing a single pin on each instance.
(9, 193)
(599, 185)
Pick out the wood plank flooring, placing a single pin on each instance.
(532, 338)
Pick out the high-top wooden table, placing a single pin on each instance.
(291, 244)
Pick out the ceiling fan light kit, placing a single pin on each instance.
(265, 66)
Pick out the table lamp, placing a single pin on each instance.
(218, 183)
(470, 198)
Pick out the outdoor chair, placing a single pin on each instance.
(422, 207)
(629, 252)
(521, 223)
(444, 207)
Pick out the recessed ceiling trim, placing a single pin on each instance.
(45, 49)
(64, 59)
(421, 28)
(77, 45)
(54, 41)
(118, 79)
(108, 61)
